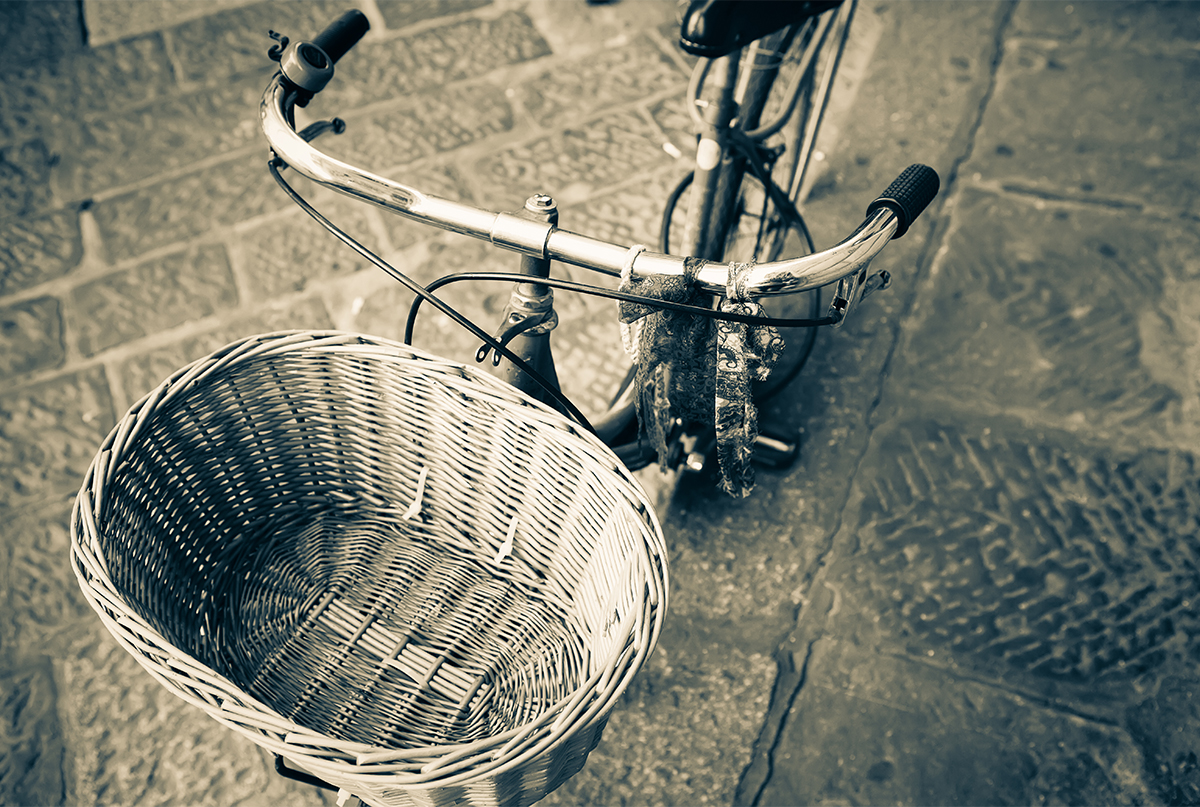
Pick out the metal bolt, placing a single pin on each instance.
(540, 203)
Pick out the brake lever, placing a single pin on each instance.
(852, 290)
(314, 130)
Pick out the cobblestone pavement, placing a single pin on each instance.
(977, 586)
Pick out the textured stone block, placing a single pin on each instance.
(34, 250)
(133, 742)
(142, 373)
(465, 49)
(152, 297)
(1126, 135)
(45, 606)
(38, 32)
(182, 208)
(49, 433)
(587, 159)
(402, 13)
(239, 37)
(425, 125)
(869, 727)
(610, 77)
(1025, 550)
(36, 100)
(1075, 316)
(284, 255)
(24, 179)
(31, 739)
(109, 151)
(629, 215)
(31, 337)
(112, 20)
(671, 739)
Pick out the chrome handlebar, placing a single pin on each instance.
(846, 262)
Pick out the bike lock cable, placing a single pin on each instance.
(424, 294)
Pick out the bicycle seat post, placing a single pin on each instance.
(719, 111)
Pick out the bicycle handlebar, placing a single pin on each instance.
(888, 217)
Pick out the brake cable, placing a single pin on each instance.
(612, 294)
(421, 292)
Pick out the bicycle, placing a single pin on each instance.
(751, 175)
(192, 456)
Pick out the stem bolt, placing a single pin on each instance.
(540, 203)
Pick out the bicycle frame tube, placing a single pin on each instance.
(741, 105)
(712, 162)
(799, 182)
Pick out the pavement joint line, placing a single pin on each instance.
(935, 239)
(945, 223)
(201, 166)
(774, 722)
(1053, 704)
(761, 767)
(1028, 195)
(1034, 419)
(173, 59)
(951, 184)
(1051, 196)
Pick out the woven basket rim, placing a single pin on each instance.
(341, 760)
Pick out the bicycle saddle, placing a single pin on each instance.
(713, 28)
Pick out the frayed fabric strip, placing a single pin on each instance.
(674, 373)
(745, 353)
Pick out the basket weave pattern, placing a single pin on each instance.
(401, 574)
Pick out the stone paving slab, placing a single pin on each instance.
(866, 712)
(1025, 549)
(113, 20)
(1010, 643)
(39, 249)
(1125, 139)
(1066, 313)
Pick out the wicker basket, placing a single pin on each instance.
(398, 573)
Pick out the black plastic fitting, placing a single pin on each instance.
(908, 195)
(342, 34)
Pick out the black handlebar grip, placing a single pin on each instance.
(908, 195)
(342, 34)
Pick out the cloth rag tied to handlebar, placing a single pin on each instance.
(697, 369)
